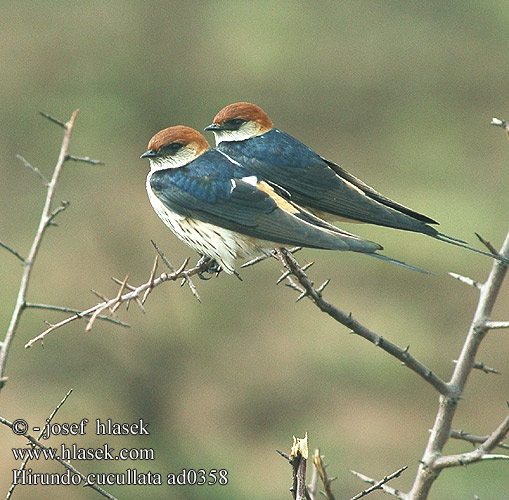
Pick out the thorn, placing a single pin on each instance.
(321, 288)
(163, 257)
(54, 120)
(84, 159)
(282, 277)
(283, 454)
(467, 281)
(182, 267)
(487, 244)
(302, 295)
(97, 294)
(34, 169)
(119, 282)
(305, 267)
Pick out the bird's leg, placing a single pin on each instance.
(212, 267)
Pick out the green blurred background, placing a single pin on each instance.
(400, 93)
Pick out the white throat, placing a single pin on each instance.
(246, 131)
(183, 157)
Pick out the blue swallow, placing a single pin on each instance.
(226, 212)
(245, 133)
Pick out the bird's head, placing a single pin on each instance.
(175, 147)
(239, 121)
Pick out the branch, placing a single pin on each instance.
(474, 439)
(378, 485)
(113, 304)
(347, 320)
(46, 218)
(320, 468)
(9, 249)
(482, 452)
(30, 305)
(432, 461)
(34, 169)
(387, 489)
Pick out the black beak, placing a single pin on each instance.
(214, 126)
(150, 153)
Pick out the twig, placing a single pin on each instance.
(298, 460)
(432, 462)
(41, 435)
(34, 169)
(481, 366)
(114, 303)
(322, 473)
(46, 218)
(71, 310)
(9, 249)
(501, 123)
(65, 126)
(487, 244)
(474, 439)
(348, 320)
(378, 485)
(187, 278)
(84, 159)
(482, 452)
(387, 489)
(264, 257)
(467, 281)
(496, 325)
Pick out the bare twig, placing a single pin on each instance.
(65, 126)
(467, 281)
(465, 436)
(432, 461)
(46, 218)
(322, 473)
(348, 320)
(387, 489)
(34, 169)
(481, 366)
(298, 460)
(501, 123)
(84, 159)
(378, 485)
(41, 435)
(264, 257)
(497, 325)
(482, 452)
(30, 305)
(9, 249)
(121, 298)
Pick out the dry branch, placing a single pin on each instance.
(47, 216)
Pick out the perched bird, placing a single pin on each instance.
(224, 211)
(245, 133)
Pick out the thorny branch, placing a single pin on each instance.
(433, 461)
(47, 219)
(306, 288)
(135, 293)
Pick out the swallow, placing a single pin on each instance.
(225, 212)
(245, 133)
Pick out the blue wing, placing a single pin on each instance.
(215, 190)
(319, 184)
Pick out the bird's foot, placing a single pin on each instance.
(211, 267)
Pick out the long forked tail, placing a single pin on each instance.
(463, 244)
(398, 262)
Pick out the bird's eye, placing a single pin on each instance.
(173, 147)
(234, 123)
